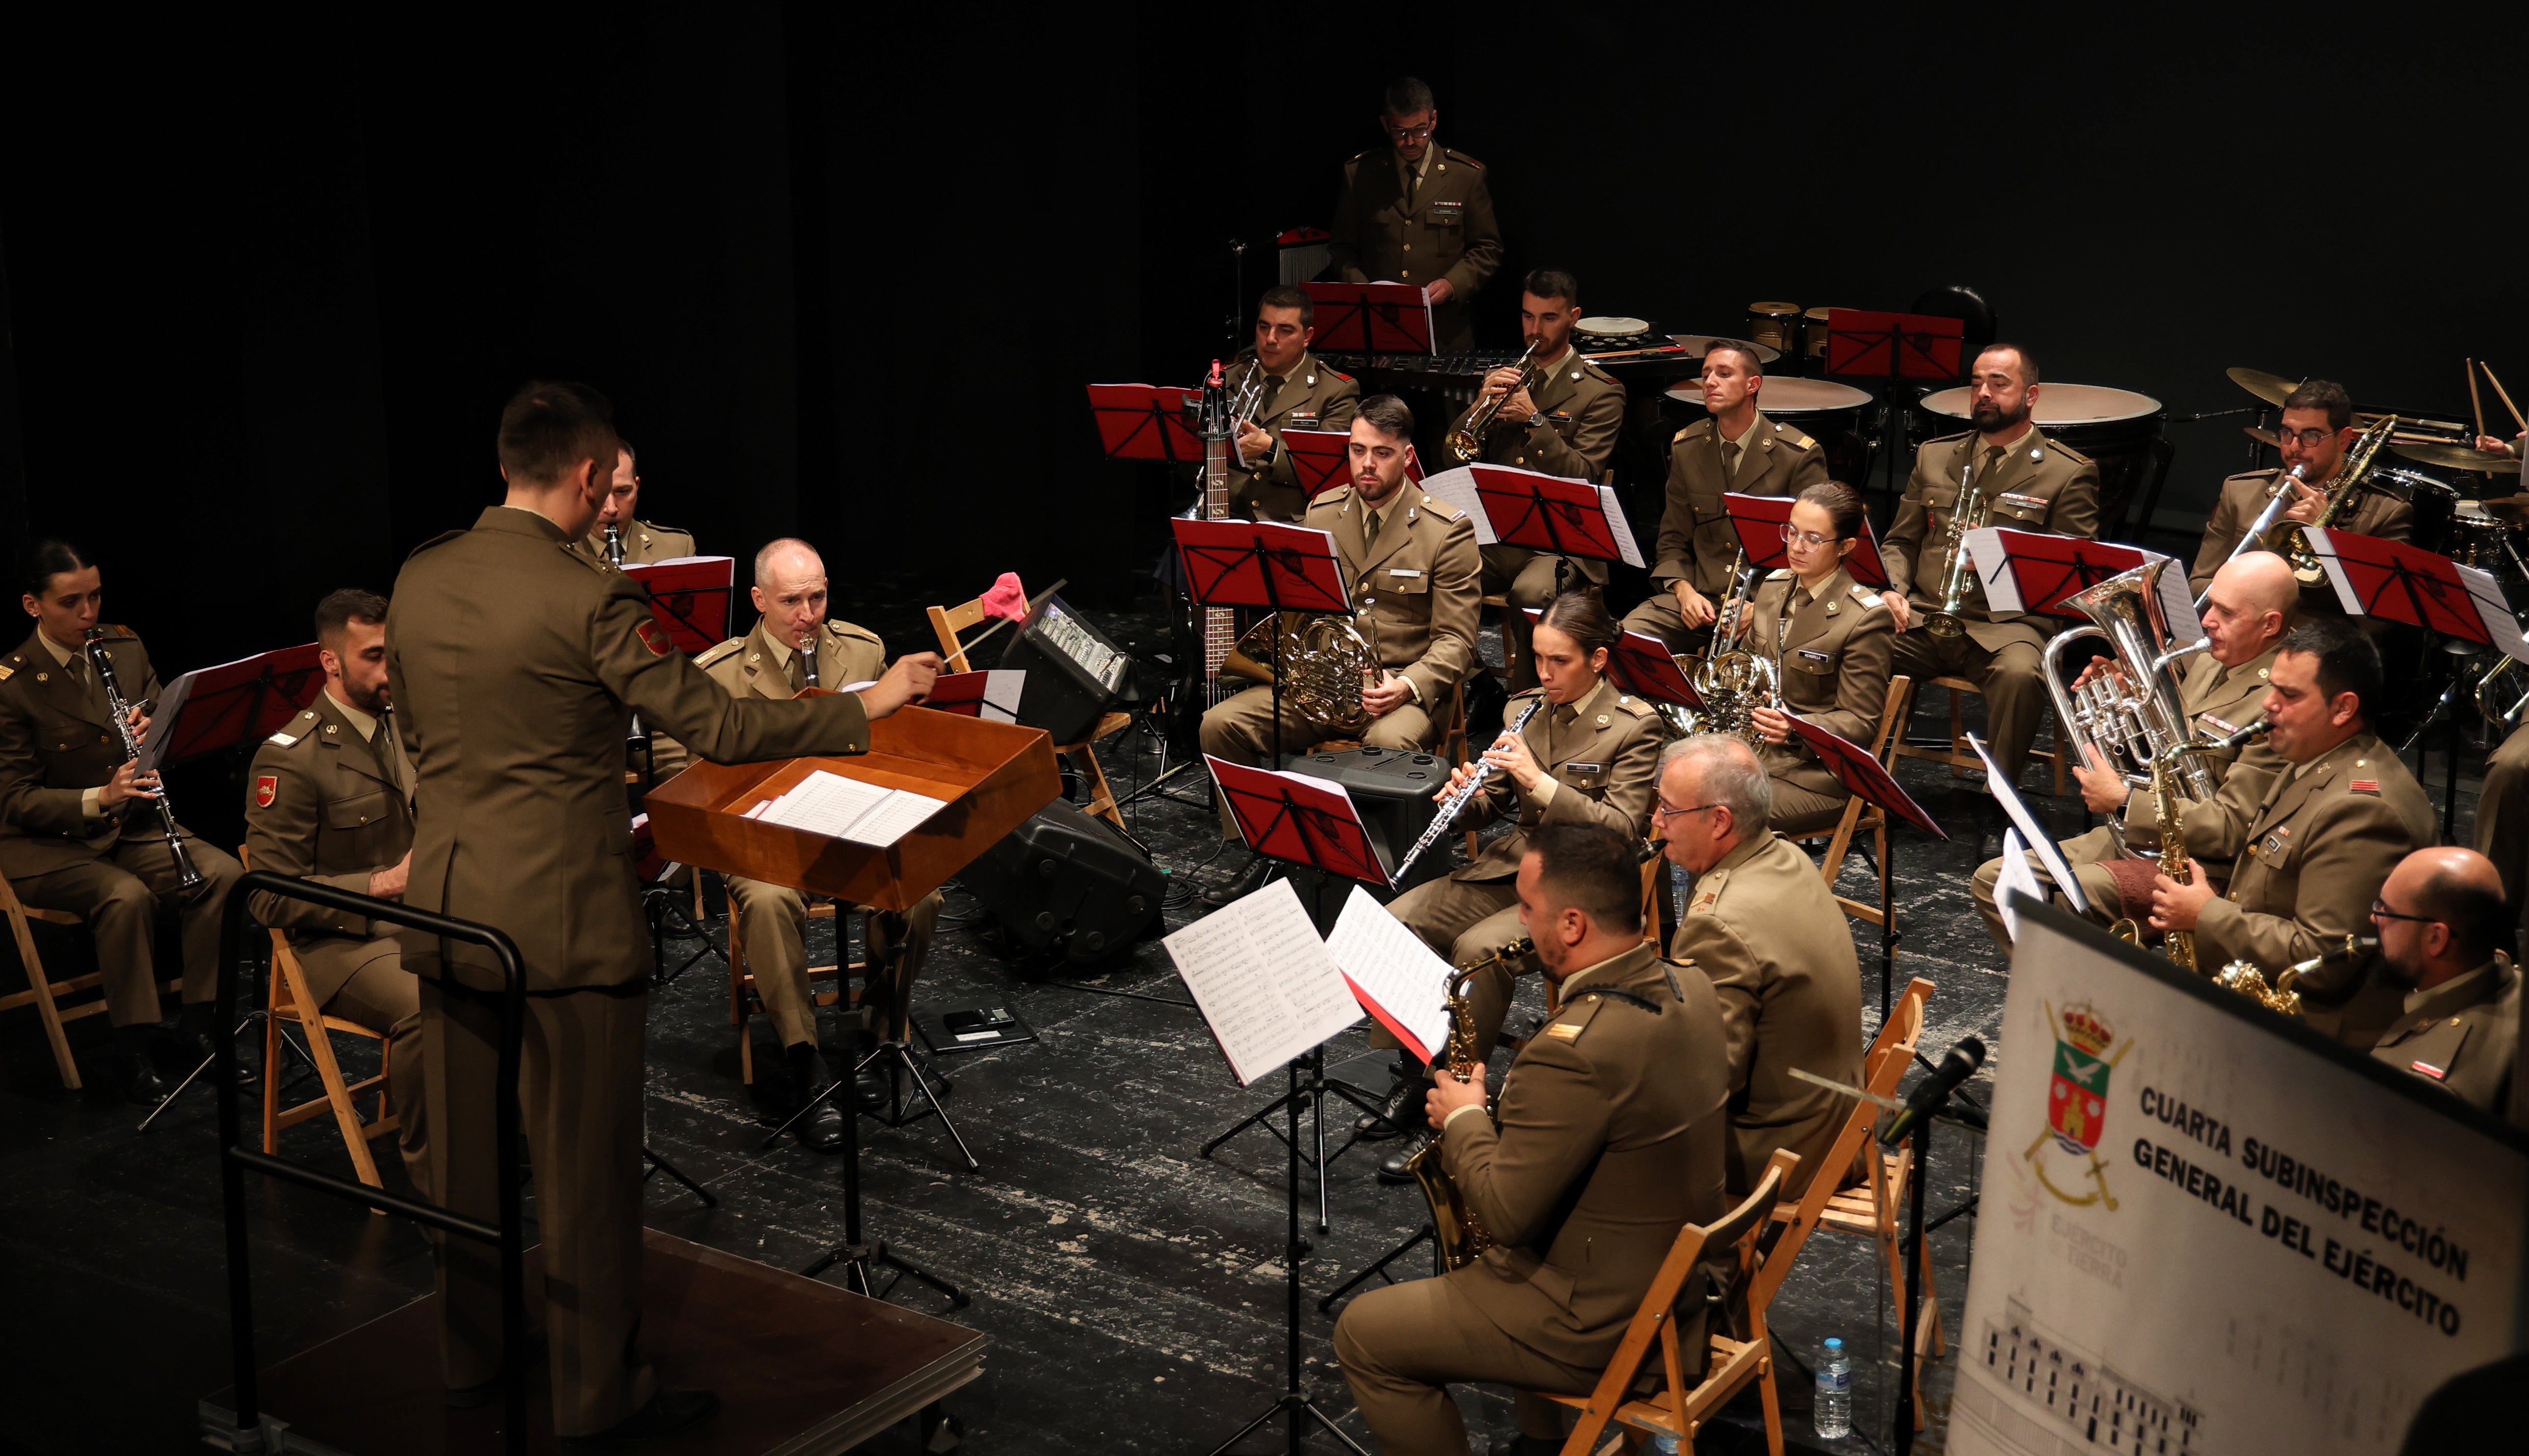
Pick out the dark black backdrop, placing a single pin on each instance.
(844, 273)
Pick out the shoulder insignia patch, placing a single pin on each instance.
(1793, 438)
(7, 672)
(654, 637)
(1864, 595)
(1634, 706)
(1779, 574)
(2364, 786)
(295, 729)
(267, 788)
(1455, 154)
(1337, 373)
(1563, 1031)
(1950, 439)
(2067, 451)
(1629, 998)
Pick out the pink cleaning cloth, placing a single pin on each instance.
(1007, 598)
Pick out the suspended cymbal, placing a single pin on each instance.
(2265, 438)
(2509, 510)
(2273, 388)
(2459, 458)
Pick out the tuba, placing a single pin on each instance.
(2358, 462)
(2132, 716)
(1460, 1237)
(1324, 660)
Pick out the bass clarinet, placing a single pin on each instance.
(1465, 795)
(189, 878)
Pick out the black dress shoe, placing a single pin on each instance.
(1396, 1112)
(669, 1412)
(136, 1071)
(1392, 1168)
(822, 1130)
(1244, 883)
(869, 1089)
(200, 1044)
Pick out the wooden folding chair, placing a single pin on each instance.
(947, 621)
(745, 1003)
(1860, 815)
(1673, 1406)
(45, 993)
(1510, 645)
(288, 1000)
(1960, 758)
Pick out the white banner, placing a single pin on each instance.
(2205, 1230)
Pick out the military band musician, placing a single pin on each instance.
(1284, 387)
(1829, 639)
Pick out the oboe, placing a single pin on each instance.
(1465, 795)
(99, 659)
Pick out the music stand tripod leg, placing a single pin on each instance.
(855, 1255)
(903, 1055)
(1380, 1267)
(660, 1165)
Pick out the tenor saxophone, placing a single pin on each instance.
(2306, 567)
(1460, 1237)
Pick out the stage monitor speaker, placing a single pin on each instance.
(1066, 881)
(1074, 673)
(1393, 791)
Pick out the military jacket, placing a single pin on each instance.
(1584, 407)
(1604, 763)
(1697, 541)
(2040, 485)
(2464, 1037)
(1416, 590)
(643, 543)
(750, 666)
(1612, 1124)
(57, 742)
(1313, 397)
(1446, 231)
(1763, 928)
(1832, 666)
(517, 665)
(2317, 852)
(2368, 513)
(325, 804)
(2217, 703)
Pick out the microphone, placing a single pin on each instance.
(1928, 1094)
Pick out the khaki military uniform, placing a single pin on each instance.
(2463, 1035)
(1831, 650)
(111, 866)
(773, 919)
(2321, 844)
(2368, 513)
(517, 665)
(1697, 541)
(1583, 409)
(331, 802)
(2218, 701)
(1437, 221)
(1765, 931)
(1601, 761)
(643, 544)
(2037, 485)
(2503, 815)
(1417, 583)
(1311, 396)
(1612, 1127)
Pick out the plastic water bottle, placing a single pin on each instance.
(1834, 1413)
(1664, 1443)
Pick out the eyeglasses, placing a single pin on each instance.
(1402, 135)
(2380, 911)
(2306, 439)
(1810, 539)
(1663, 811)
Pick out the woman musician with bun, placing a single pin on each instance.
(1589, 754)
(1829, 638)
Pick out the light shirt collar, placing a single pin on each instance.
(61, 655)
(1553, 366)
(1588, 700)
(368, 725)
(1744, 436)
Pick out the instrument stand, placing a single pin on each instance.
(1313, 1090)
(1294, 1404)
(1426, 1235)
(859, 1258)
(662, 904)
(658, 1165)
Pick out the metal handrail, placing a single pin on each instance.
(508, 1234)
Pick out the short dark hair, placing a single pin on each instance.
(552, 425)
(1841, 503)
(339, 610)
(1755, 361)
(2027, 360)
(1406, 95)
(1592, 869)
(1388, 415)
(1551, 283)
(626, 446)
(1290, 296)
(48, 559)
(2347, 660)
(1583, 617)
(2323, 393)
(2480, 920)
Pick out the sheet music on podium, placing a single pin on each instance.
(1262, 980)
(1393, 974)
(839, 808)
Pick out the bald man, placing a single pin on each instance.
(2245, 615)
(2446, 936)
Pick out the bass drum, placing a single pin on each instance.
(2119, 429)
(1832, 414)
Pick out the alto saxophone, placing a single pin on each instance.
(1461, 1237)
(2177, 945)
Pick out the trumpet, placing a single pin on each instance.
(187, 878)
(1946, 622)
(1467, 440)
(1734, 682)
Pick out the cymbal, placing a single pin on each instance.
(2265, 438)
(2459, 458)
(2273, 388)
(2509, 510)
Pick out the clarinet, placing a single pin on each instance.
(613, 544)
(808, 659)
(1465, 795)
(189, 878)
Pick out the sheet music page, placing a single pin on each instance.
(1458, 488)
(1262, 980)
(900, 813)
(2015, 875)
(162, 721)
(1630, 549)
(1002, 688)
(1992, 566)
(1394, 972)
(2040, 843)
(824, 803)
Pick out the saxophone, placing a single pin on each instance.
(1462, 1240)
(2306, 569)
(2177, 945)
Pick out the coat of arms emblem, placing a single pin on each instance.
(2076, 1099)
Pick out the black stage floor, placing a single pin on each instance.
(1132, 1291)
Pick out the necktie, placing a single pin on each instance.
(1264, 401)
(391, 753)
(797, 674)
(1369, 526)
(1992, 463)
(1730, 459)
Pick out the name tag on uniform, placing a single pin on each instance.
(1403, 571)
(2221, 729)
(1815, 657)
(1577, 768)
(1300, 421)
(2027, 502)
(1448, 214)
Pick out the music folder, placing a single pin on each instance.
(1511, 507)
(2035, 570)
(1323, 459)
(2040, 843)
(1146, 422)
(1866, 777)
(1304, 820)
(2376, 577)
(690, 597)
(1392, 974)
(1370, 317)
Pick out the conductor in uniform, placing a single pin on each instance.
(1565, 424)
(641, 541)
(2022, 481)
(516, 665)
(1292, 390)
(775, 661)
(1735, 448)
(2447, 941)
(1610, 1137)
(1415, 212)
(2316, 431)
(78, 826)
(330, 799)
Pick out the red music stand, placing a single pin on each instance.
(1262, 564)
(1759, 520)
(1305, 821)
(1869, 779)
(690, 598)
(1370, 317)
(1895, 346)
(1642, 665)
(210, 708)
(1548, 513)
(2405, 583)
(1145, 423)
(2035, 571)
(1323, 459)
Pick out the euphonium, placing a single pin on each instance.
(1467, 440)
(2132, 716)
(2357, 467)
(1325, 658)
(1947, 623)
(1460, 1237)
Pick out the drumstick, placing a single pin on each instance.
(2506, 395)
(2474, 399)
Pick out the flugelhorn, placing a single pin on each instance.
(1970, 504)
(1467, 440)
(99, 659)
